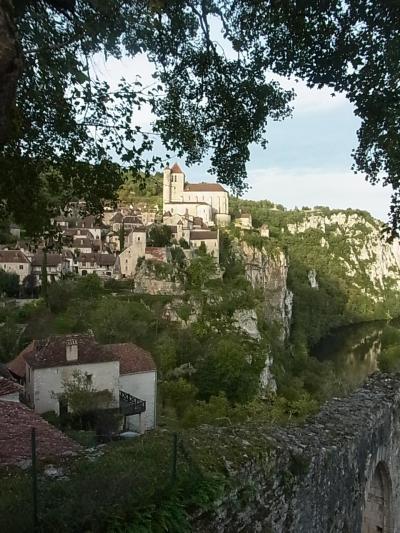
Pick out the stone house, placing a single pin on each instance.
(15, 262)
(131, 222)
(57, 266)
(90, 223)
(264, 230)
(125, 370)
(136, 247)
(95, 263)
(210, 240)
(244, 220)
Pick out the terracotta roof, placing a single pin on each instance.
(16, 423)
(52, 259)
(9, 387)
(155, 253)
(51, 352)
(206, 187)
(176, 169)
(18, 364)
(13, 256)
(132, 358)
(203, 235)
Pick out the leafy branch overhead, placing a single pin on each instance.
(71, 126)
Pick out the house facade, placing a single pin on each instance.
(125, 370)
(15, 262)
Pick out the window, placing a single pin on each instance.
(21, 267)
(138, 238)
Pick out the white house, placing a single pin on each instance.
(125, 370)
(15, 262)
(210, 201)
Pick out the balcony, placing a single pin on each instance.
(129, 405)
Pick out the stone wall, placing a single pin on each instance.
(340, 472)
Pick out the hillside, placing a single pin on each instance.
(341, 268)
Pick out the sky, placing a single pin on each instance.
(308, 158)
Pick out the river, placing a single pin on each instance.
(353, 350)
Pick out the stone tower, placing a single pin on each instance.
(177, 182)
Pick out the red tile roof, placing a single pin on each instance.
(156, 254)
(17, 365)
(16, 423)
(132, 358)
(13, 256)
(9, 387)
(206, 187)
(176, 169)
(51, 352)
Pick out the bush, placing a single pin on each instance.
(9, 284)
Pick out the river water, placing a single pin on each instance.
(353, 350)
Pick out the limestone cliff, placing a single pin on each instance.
(268, 271)
(355, 241)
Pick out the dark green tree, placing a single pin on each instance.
(122, 238)
(160, 235)
(9, 283)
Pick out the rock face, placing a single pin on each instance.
(364, 249)
(268, 272)
(338, 473)
(246, 321)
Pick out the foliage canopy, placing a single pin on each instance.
(60, 140)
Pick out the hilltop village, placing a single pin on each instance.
(112, 246)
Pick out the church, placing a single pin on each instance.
(208, 201)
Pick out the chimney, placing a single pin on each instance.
(71, 349)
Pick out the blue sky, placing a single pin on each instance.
(308, 159)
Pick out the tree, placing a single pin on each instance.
(122, 238)
(200, 270)
(228, 369)
(9, 283)
(160, 235)
(81, 397)
(179, 394)
(57, 143)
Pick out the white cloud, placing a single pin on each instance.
(313, 186)
(313, 100)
